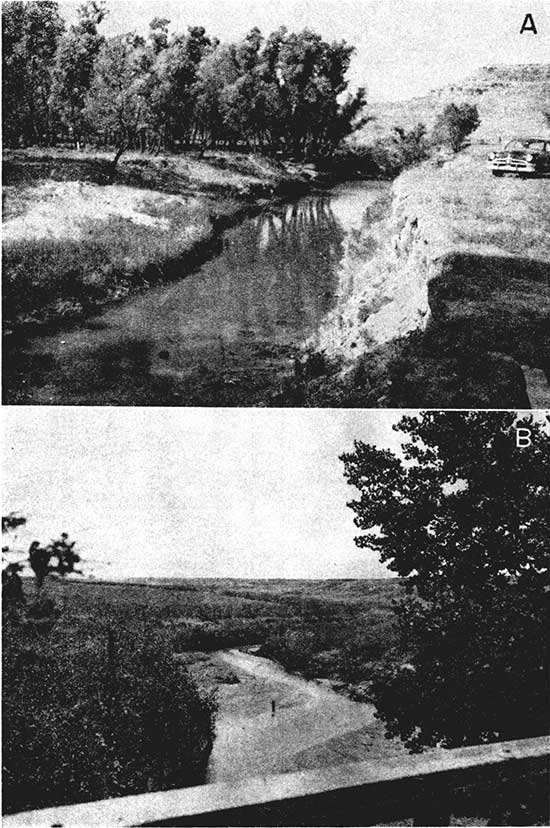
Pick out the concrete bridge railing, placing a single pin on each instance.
(427, 789)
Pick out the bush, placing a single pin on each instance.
(386, 157)
(455, 123)
(111, 717)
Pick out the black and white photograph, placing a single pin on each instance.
(275, 416)
(311, 204)
(275, 618)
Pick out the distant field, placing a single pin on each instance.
(336, 629)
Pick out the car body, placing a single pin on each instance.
(522, 156)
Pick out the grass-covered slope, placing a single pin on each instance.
(510, 100)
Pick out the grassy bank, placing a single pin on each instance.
(73, 242)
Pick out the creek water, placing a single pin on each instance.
(223, 335)
(274, 722)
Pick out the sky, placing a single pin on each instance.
(404, 47)
(192, 493)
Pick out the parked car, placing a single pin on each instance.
(522, 156)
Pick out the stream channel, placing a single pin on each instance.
(311, 726)
(225, 334)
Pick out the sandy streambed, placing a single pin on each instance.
(312, 725)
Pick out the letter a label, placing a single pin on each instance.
(528, 25)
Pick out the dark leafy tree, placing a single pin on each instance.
(57, 557)
(30, 35)
(464, 516)
(311, 74)
(455, 123)
(98, 717)
(73, 70)
(174, 87)
(117, 104)
(216, 70)
(158, 34)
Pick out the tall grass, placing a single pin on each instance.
(45, 278)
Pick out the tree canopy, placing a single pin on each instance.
(285, 93)
(463, 515)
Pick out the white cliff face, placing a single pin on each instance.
(383, 292)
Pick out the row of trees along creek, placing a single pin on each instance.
(284, 94)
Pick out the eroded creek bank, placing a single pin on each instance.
(424, 320)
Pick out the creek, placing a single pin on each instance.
(225, 334)
(274, 722)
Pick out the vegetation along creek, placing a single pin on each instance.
(226, 334)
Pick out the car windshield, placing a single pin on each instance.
(527, 144)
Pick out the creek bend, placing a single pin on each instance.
(312, 725)
(225, 334)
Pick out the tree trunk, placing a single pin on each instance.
(114, 162)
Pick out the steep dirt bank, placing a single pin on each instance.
(73, 241)
(445, 301)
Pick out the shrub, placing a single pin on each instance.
(455, 123)
(387, 156)
(113, 716)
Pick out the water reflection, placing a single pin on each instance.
(276, 275)
(242, 314)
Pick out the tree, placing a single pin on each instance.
(173, 92)
(30, 34)
(455, 123)
(12, 586)
(216, 70)
(117, 102)
(74, 65)
(311, 74)
(57, 557)
(464, 517)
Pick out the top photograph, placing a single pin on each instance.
(294, 204)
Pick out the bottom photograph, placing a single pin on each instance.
(286, 617)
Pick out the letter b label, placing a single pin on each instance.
(523, 437)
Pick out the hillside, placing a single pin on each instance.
(509, 99)
(463, 258)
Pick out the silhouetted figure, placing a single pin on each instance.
(272, 707)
